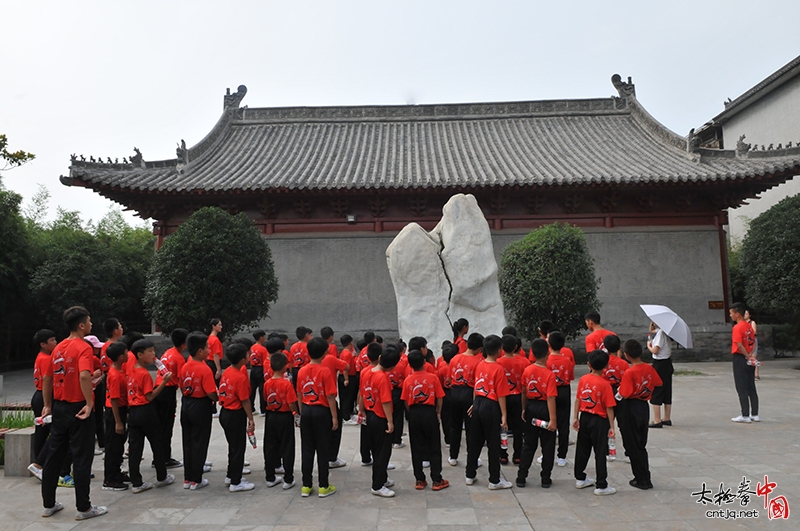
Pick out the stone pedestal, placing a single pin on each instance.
(19, 452)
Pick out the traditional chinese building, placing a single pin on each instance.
(331, 186)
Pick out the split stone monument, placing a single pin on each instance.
(446, 274)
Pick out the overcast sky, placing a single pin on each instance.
(98, 78)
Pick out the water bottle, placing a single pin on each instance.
(539, 423)
(504, 440)
(41, 421)
(162, 369)
(297, 420)
(753, 362)
(612, 449)
(251, 434)
(361, 419)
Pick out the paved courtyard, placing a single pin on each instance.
(703, 446)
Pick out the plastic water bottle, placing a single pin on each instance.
(612, 449)
(251, 434)
(162, 369)
(503, 440)
(539, 423)
(41, 421)
(361, 419)
(297, 420)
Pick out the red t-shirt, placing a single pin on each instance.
(444, 373)
(139, 384)
(562, 367)
(258, 355)
(315, 383)
(334, 364)
(376, 390)
(514, 367)
(594, 341)
(462, 370)
(347, 356)
(298, 355)
(234, 388)
(116, 387)
(214, 348)
(595, 395)
(427, 367)
(332, 351)
(127, 367)
(539, 383)
(196, 379)
(743, 333)
(43, 366)
(614, 370)
(566, 351)
(491, 381)
(461, 343)
(174, 362)
(422, 388)
(68, 360)
(105, 362)
(639, 381)
(280, 394)
(362, 360)
(398, 372)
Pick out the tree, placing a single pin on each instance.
(14, 255)
(215, 265)
(770, 260)
(548, 275)
(12, 159)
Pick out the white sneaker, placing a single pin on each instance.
(203, 484)
(338, 463)
(245, 471)
(187, 484)
(287, 486)
(390, 466)
(470, 481)
(215, 415)
(276, 481)
(611, 458)
(166, 481)
(228, 482)
(740, 418)
(384, 492)
(141, 488)
(480, 463)
(36, 471)
(604, 492)
(401, 444)
(561, 462)
(626, 459)
(242, 486)
(583, 483)
(48, 512)
(754, 418)
(280, 470)
(539, 459)
(389, 483)
(98, 451)
(453, 462)
(426, 464)
(94, 510)
(502, 484)
(208, 463)
(246, 463)
(206, 468)
(368, 463)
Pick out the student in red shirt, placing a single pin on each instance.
(460, 329)
(348, 392)
(143, 419)
(338, 368)
(594, 341)
(396, 377)
(67, 395)
(259, 357)
(316, 392)
(514, 365)
(539, 394)
(563, 368)
(423, 394)
(462, 381)
(166, 402)
(488, 414)
(197, 405)
(45, 340)
(616, 365)
(298, 354)
(449, 351)
(279, 423)
(744, 374)
(375, 403)
(595, 404)
(373, 351)
(236, 416)
(129, 339)
(113, 329)
(116, 418)
(636, 388)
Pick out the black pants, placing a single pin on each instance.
(347, 395)
(115, 445)
(365, 444)
(69, 435)
(143, 423)
(213, 367)
(257, 386)
(563, 414)
(636, 417)
(744, 376)
(336, 437)
(485, 428)
(40, 433)
(592, 435)
(398, 414)
(315, 438)
(447, 415)
(381, 445)
(99, 418)
(196, 428)
(234, 424)
(423, 434)
(537, 409)
(165, 405)
(663, 394)
(295, 370)
(514, 420)
(461, 402)
(279, 444)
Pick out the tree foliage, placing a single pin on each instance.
(770, 260)
(14, 256)
(12, 159)
(214, 265)
(548, 275)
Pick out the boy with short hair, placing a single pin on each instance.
(462, 382)
(113, 329)
(449, 351)
(197, 406)
(563, 368)
(514, 365)
(373, 351)
(338, 368)
(316, 394)
(45, 340)
(259, 361)
(376, 404)
(616, 364)
(539, 394)
(488, 414)
(636, 388)
(743, 342)
(423, 396)
(594, 403)
(348, 391)
(298, 354)
(116, 414)
(594, 341)
(396, 376)
(279, 423)
(166, 403)
(236, 417)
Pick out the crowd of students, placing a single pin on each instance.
(488, 388)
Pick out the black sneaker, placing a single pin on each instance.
(115, 485)
(546, 483)
(173, 463)
(520, 483)
(643, 485)
(125, 478)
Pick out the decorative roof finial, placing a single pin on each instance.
(625, 89)
(233, 100)
(182, 153)
(692, 142)
(137, 160)
(742, 147)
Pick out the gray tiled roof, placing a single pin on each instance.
(473, 145)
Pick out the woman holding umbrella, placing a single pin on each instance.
(659, 347)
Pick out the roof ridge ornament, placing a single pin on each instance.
(625, 89)
(182, 153)
(233, 100)
(742, 147)
(137, 160)
(692, 142)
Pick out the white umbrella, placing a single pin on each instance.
(670, 322)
